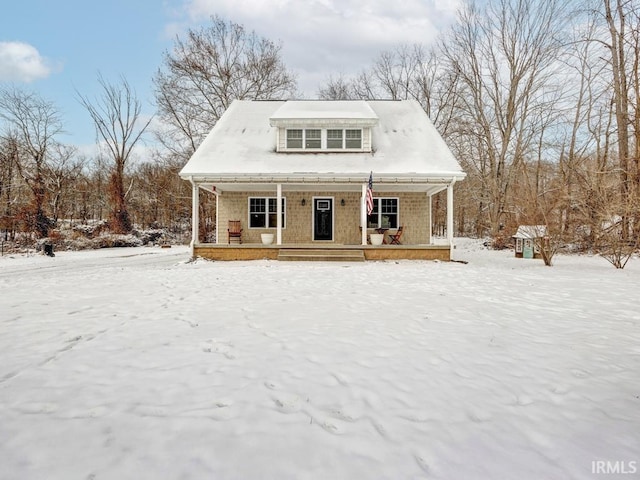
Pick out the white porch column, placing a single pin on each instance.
(279, 214)
(363, 213)
(430, 222)
(217, 217)
(450, 212)
(195, 215)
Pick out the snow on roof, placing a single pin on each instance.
(324, 110)
(404, 141)
(531, 231)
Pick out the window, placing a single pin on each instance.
(334, 138)
(294, 138)
(263, 214)
(384, 214)
(313, 139)
(353, 139)
(318, 139)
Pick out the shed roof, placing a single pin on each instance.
(531, 231)
(243, 143)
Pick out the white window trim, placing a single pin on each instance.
(286, 139)
(284, 213)
(378, 199)
(324, 140)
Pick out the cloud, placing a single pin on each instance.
(21, 62)
(332, 37)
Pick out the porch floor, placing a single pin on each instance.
(258, 251)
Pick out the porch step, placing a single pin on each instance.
(320, 255)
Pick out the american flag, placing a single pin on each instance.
(369, 197)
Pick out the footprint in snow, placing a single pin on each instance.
(329, 426)
(290, 404)
(380, 429)
(422, 463)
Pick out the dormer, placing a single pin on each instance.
(324, 126)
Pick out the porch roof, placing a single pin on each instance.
(241, 150)
(313, 184)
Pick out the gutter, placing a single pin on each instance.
(302, 178)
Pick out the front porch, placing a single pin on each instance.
(326, 215)
(326, 252)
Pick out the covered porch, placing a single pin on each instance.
(323, 214)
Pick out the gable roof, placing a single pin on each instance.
(404, 143)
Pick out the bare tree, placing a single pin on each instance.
(338, 88)
(35, 123)
(504, 55)
(624, 48)
(8, 179)
(117, 118)
(62, 173)
(205, 72)
(405, 72)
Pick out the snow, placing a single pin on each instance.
(136, 363)
(316, 110)
(243, 144)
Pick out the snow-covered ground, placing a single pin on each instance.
(137, 364)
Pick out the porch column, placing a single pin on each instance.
(430, 222)
(450, 212)
(217, 217)
(195, 215)
(279, 214)
(363, 213)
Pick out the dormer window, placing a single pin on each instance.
(353, 139)
(294, 138)
(313, 139)
(324, 127)
(310, 138)
(334, 138)
(318, 139)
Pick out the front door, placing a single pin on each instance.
(323, 218)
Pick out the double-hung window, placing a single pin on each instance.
(313, 139)
(318, 139)
(334, 138)
(353, 139)
(263, 212)
(384, 214)
(294, 138)
(310, 138)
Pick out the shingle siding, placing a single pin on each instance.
(413, 215)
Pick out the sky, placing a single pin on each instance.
(58, 49)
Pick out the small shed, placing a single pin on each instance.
(528, 239)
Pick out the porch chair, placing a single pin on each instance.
(394, 238)
(235, 230)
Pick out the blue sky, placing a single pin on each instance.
(55, 48)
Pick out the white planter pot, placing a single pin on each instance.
(267, 238)
(377, 238)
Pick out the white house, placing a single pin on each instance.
(300, 171)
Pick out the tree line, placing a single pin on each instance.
(537, 100)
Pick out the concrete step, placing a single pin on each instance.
(320, 255)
